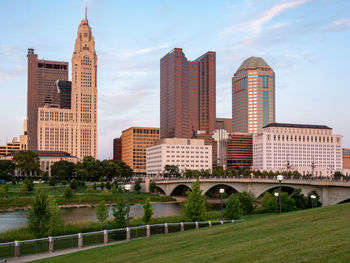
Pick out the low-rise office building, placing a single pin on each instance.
(309, 149)
(186, 154)
(240, 150)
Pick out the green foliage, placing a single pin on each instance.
(101, 179)
(218, 171)
(108, 185)
(52, 181)
(233, 208)
(265, 201)
(24, 189)
(105, 193)
(27, 161)
(231, 172)
(313, 203)
(29, 183)
(83, 174)
(46, 176)
(102, 212)
(338, 175)
(102, 186)
(68, 193)
(120, 190)
(74, 184)
(64, 182)
(90, 189)
(137, 186)
(39, 215)
(3, 191)
(172, 170)
(246, 172)
(194, 208)
(147, 211)
(288, 203)
(114, 189)
(63, 170)
(247, 202)
(119, 212)
(299, 199)
(152, 186)
(7, 167)
(56, 222)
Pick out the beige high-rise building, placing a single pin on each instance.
(135, 141)
(74, 130)
(253, 96)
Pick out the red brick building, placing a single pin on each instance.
(187, 94)
(117, 149)
(240, 150)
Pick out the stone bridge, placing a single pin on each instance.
(330, 191)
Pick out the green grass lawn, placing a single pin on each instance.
(314, 235)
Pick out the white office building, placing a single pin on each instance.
(186, 154)
(309, 149)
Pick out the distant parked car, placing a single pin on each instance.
(2, 181)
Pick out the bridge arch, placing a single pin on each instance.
(180, 190)
(159, 190)
(285, 188)
(342, 201)
(213, 190)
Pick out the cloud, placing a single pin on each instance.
(342, 24)
(255, 25)
(143, 51)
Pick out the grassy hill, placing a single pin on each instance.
(314, 235)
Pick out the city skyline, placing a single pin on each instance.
(300, 50)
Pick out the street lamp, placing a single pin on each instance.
(313, 197)
(127, 188)
(280, 178)
(276, 195)
(222, 190)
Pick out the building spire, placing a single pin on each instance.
(86, 12)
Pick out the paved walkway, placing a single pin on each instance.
(33, 257)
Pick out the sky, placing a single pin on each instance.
(306, 42)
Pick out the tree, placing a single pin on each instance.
(338, 175)
(108, 185)
(56, 220)
(63, 170)
(102, 212)
(24, 189)
(7, 167)
(122, 169)
(147, 211)
(288, 203)
(265, 201)
(119, 212)
(172, 170)
(29, 183)
(3, 191)
(68, 194)
(108, 169)
(247, 202)
(233, 208)
(194, 209)
(52, 181)
(90, 189)
(152, 187)
(39, 214)
(27, 162)
(313, 203)
(218, 171)
(83, 174)
(114, 189)
(299, 199)
(137, 186)
(74, 184)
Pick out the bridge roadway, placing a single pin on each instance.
(330, 191)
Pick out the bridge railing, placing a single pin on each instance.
(80, 240)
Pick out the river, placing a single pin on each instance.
(15, 219)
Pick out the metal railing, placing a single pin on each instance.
(80, 240)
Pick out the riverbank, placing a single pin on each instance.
(81, 199)
(23, 233)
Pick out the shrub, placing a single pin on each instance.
(114, 190)
(108, 185)
(147, 211)
(73, 185)
(95, 186)
(24, 189)
(68, 194)
(29, 183)
(56, 222)
(64, 182)
(39, 214)
(152, 186)
(265, 201)
(90, 189)
(52, 181)
(120, 190)
(137, 186)
(247, 202)
(233, 208)
(102, 212)
(119, 212)
(105, 193)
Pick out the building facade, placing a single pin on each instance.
(74, 129)
(186, 154)
(187, 94)
(224, 123)
(240, 150)
(253, 96)
(309, 149)
(135, 141)
(117, 149)
(346, 158)
(42, 75)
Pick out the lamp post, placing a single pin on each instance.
(280, 178)
(127, 188)
(276, 195)
(313, 197)
(222, 190)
